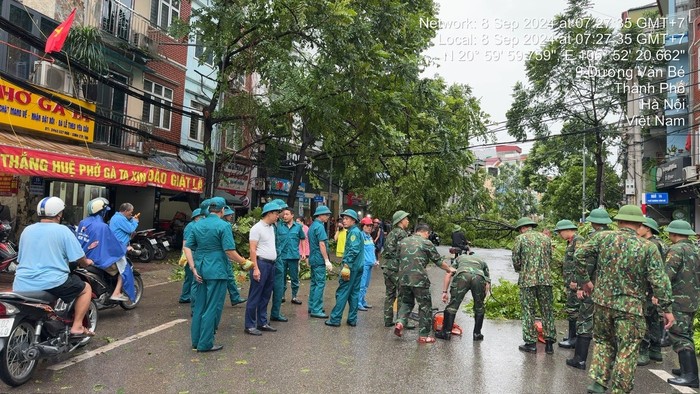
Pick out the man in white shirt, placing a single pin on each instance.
(263, 254)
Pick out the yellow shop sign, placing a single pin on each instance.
(26, 110)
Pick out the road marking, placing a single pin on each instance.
(665, 375)
(161, 283)
(113, 345)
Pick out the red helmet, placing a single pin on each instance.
(366, 221)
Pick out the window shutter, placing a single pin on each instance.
(154, 12)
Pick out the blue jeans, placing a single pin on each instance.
(364, 284)
(259, 295)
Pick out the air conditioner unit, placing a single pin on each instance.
(53, 77)
(145, 42)
(690, 173)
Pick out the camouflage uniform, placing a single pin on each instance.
(573, 304)
(415, 252)
(390, 269)
(652, 316)
(625, 264)
(584, 324)
(682, 263)
(472, 274)
(532, 255)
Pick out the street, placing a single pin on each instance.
(148, 350)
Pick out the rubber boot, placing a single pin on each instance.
(478, 323)
(596, 387)
(643, 358)
(570, 341)
(549, 347)
(689, 370)
(655, 354)
(580, 353)
(665, 339)
(447, 321)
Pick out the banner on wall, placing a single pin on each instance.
(8, 185)
(19, 161)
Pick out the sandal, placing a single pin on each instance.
(398, 329)
(85, 333)
(426, 339)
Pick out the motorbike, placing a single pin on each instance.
(136, 251)
(36, 325)
(144, 242)
(434, 238)
(8, 249)
(457, 251)
(103, 286)
(162, 245)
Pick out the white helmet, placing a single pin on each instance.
(97, 205)
(50, 207)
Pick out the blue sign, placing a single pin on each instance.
(318, 198)
(656, 198)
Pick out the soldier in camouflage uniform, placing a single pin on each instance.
(415, 253)
(567, 231)
(599, 220)
(625, 264)
(532, 255)
(390, 267)
(472, 274)
(682, 264)
(650, 348)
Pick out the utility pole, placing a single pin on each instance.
(583, 183)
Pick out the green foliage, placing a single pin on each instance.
(512, 200)
(241, 230)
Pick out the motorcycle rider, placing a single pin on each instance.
(458, 239)
(102, 246)
(46, 251)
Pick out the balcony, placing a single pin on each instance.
(121, 138)
(122, 25)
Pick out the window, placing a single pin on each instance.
(164, 12)
(197, 124)
(157, 116)
(231, 137)
(199, 49)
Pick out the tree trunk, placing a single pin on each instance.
(300, 167)
(210, 171)
(600, 168)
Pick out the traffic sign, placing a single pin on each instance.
(656, 198)
(318, 198)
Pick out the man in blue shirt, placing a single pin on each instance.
(287, 237)
(318, 261)
(45, 251)
(210, 246)
(124, 223)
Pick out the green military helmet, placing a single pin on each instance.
(398, 216)
(322, 210)
(281, 203)
(565, 224)
(524, 221)
(599, 216)
(456, 228)
(351, 213)
(270, 207)
(680, 227)
(651, 223)
(630, 213)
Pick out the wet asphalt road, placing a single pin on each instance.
(305, 356)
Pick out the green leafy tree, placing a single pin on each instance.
(512, 199)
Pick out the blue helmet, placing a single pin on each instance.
(270, 207)
(322, 210)
(351, 213)
(196, 212)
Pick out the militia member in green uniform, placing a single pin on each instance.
(211, 240)
(567, 231)
(532, 255)
(650, 349)
(288, 234)
(390, 267)
(353, 264)
(682, 264)
(599, 220)
(472, 274)
(318, 261)
(415, 253)
(625, 264)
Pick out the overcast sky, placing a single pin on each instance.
(489, 59)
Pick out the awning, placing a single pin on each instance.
(176, 164)
(27, 155)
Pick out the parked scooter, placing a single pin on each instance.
(137, 252)
(144, 241)
(36, 325)
(162, 246)
(103, 286)
(8, 249)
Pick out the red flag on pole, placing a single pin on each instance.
(55, 41)
(689, 141)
